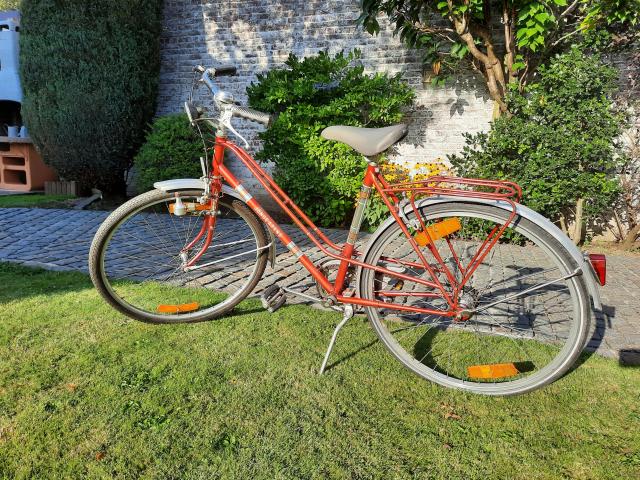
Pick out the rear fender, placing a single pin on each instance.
(523, 211)
(197, 184)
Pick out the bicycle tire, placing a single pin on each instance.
(521, 383)
(128, 210)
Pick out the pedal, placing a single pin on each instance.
(273, 297)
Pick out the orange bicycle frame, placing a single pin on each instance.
(346, 253)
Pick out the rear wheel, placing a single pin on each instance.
(142, 258)
(528, 325)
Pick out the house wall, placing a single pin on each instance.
(258, 35)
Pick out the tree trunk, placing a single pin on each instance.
(563, 225)
(620, 233)
(508, 19)
(578, 229)
(630, 238)
(492, 66)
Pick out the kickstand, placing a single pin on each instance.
(348, 314)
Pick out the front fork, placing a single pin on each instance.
(210, 213)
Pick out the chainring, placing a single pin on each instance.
(329, 268)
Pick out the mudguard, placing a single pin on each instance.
(523, 211)
(198, 184)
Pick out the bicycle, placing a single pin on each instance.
(463, 285)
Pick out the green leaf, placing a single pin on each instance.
(542, 17)
(559, 142)
(308, 167)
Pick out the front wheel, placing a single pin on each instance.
(150, 264)
(529, 309)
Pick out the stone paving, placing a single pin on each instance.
(59, 239)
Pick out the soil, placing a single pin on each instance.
(611, 248)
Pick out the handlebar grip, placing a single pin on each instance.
(254, 115)
(225, 70)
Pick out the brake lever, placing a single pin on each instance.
(235, 132)
(226, 122)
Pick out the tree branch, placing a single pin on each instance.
(564, 37)
(462, 29)
(508, 44)
(569, 10)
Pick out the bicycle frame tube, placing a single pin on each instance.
(345, 253)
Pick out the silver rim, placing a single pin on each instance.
(558, 339)
(143, 250)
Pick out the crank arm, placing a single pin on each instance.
(310, 298)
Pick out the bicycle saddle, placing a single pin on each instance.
(367, 141)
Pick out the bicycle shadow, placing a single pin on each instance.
(34, 281)
(603, 322)
(423, 349)
(350, 355)
(26, 280)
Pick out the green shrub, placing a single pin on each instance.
(172, 150)
(323, 177)
(560, 144)
(90, 73)
(9, 5)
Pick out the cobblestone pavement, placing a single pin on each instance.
(59, 240)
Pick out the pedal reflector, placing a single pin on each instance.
(496, 370)
(185, 307)
(437, 231)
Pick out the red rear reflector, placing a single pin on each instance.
(599, 263)
(496, 370)
(185, 307)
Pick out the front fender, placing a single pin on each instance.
(525, 212)
(197, 184)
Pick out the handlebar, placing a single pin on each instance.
(208, 76)
(225, 70)
(253, 115)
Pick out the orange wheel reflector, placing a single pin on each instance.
(496, 370)
(185, 307)
(437, 231)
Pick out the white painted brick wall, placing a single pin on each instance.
(257, 35)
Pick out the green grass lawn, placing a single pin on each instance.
(35, 200)
(87, 393)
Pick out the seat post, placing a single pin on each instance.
(356, 224)
(374, 160)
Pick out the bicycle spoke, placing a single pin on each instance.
(145, 261)
(520, 307)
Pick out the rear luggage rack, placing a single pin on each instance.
(459, 187)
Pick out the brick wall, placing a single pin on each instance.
(257, 35)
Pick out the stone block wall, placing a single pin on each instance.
(258, 35)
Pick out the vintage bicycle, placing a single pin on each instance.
(463, 285)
